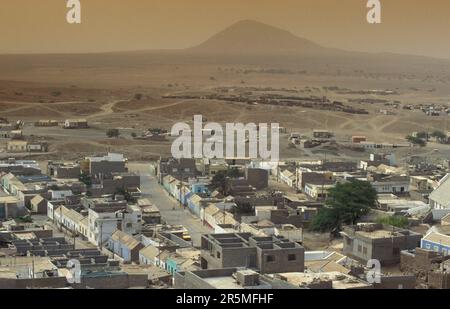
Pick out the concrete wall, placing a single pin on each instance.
(281, 216)
(281, 263)
(418, 262)
(107, 167)
(257, 178)
(439, 280)
(230, 257)
(68, 172)
(194, 280)
(39, 208)
(386, 250)
(123, 281)
(58, 282)
(396, 282)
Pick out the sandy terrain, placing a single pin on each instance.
(130, 91)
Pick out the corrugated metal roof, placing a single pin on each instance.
(438, 238)
(127, 240)
(150, 252)
(442, 193)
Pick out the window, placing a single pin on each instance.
(365, 251)
(270, 258)
(359, 248)
(292, 257)
(218, 254)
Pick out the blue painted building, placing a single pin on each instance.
(436, 242)
(199, 188)
(194, 204)
(175, 264)
(171, 266)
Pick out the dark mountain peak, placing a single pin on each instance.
(249, 36)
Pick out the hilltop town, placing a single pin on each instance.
(231, 223)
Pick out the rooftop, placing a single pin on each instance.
(225, 283)
(376, 231)
(446, 218)
(9, 200)
(438, 238)
(125, 239)
(19, 267)
(339, 280)
(442, 193)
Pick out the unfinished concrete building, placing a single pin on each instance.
(227, 279)
(265, 254)
(369, 241)
(42, 246)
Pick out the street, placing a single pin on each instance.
(171, 210)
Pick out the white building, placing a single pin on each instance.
(288, 178)
(68, 218)
(101, 225)
(317, 192)
(393, 184)
(290, 232)
(440, 197)
(59, 194)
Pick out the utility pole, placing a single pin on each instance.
(32, 273)
(101, 236)
(224, 214)
(60, 218)
(181, 187)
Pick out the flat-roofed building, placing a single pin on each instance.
(16, 146)
(11, 207)
(266, 254)
(436, 242)
(76, 124)
(371, 241)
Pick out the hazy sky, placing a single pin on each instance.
(409, 26)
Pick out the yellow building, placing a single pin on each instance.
(16, 146)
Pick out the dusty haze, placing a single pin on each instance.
(409, 26)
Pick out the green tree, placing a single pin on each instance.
(24, 219)
(440, 136)
(125, 193)
(422, 135)
(113, 133)
(86, 179)
(346, 204)
(221, 182)
(243, 208)
(234, 173)
(416, 141)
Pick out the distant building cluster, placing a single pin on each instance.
(253, 217)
